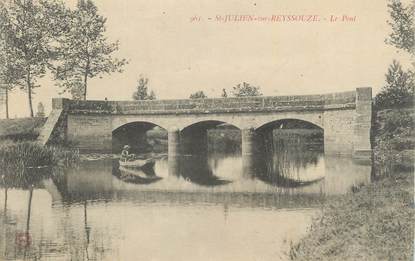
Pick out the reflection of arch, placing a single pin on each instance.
(197, 170)
(280, 124)
(286, 182)
(134, 134)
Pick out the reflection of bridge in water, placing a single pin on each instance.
(95, 181)
(90, 125)
(208, 183)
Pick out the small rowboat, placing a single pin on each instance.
(136, 176)
(138, 164)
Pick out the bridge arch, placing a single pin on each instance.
(316, 119)
(195, 137)
(206, 124)
(300, 130)
(291, 122)
(135, 134)
(120, 122)
(210, 121)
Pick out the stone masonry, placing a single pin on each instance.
(345, 118)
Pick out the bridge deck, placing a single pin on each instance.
(344, 100)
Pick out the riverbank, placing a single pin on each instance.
(18, 144)
(21, 129)
(373, 222)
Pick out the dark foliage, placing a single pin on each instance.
(399, 88)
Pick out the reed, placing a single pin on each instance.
(18, 156)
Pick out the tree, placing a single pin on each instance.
(28, 31)
(224, 93)
(198, 95)
(6, 80)
(399, 88)
(402, 24)
(4, 90)
(5, 85)
(245, 90)
(142, 91)
(84, 51)
(40, 110)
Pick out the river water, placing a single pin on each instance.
(211, 210)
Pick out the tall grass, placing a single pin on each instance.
(25, 162)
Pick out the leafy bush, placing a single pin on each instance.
(393, 140)
(399, 88)
(198, 95)
(246, 90)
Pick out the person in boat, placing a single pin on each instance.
(126, 155)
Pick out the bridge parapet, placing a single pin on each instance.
(344, 100)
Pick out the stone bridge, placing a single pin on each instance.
(89, 125)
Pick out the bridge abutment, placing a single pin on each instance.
(90, 133)
(338, 132)
(347, 132)
(362, 149)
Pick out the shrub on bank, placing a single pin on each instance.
(394, 141)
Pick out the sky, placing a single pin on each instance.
(184, 46)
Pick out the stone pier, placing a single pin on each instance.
(174, 152)
(248, 152)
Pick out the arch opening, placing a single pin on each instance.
(296, 132)
(287, 149)
(206, 145)
(209, 124)
(211, 136)
(142, 137)
(288, 124)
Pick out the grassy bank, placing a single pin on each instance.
(376, 222)
(18, 148)
(21, 129)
